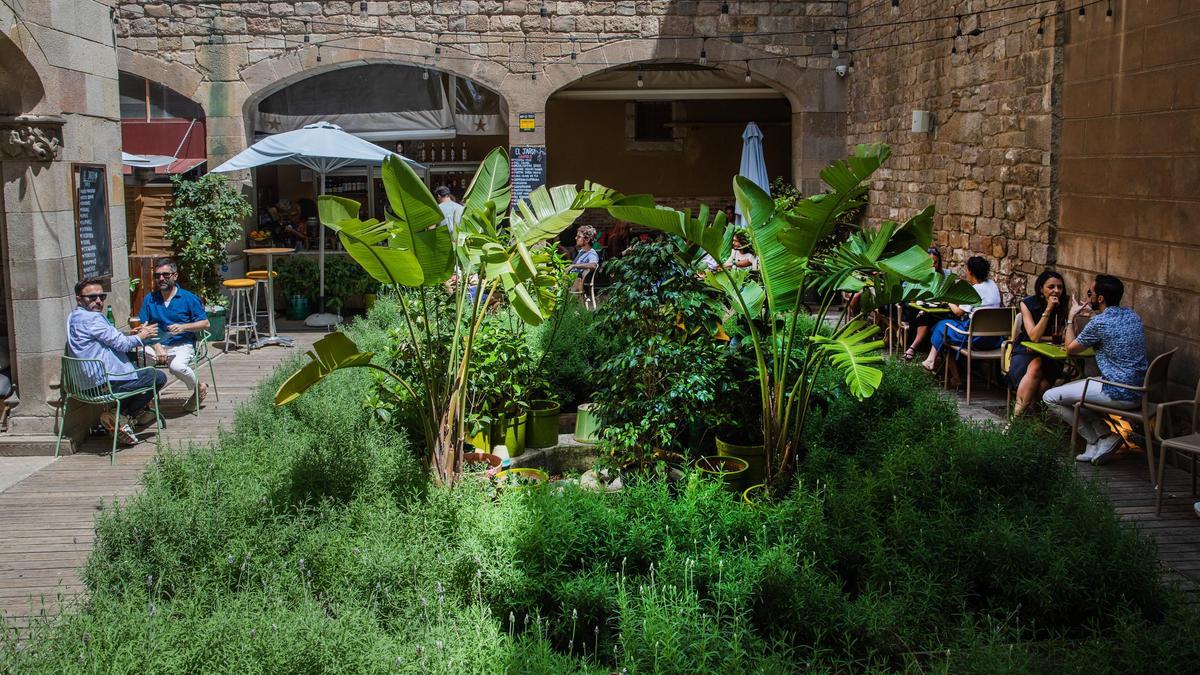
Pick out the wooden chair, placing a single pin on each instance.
(78, 378)
(1153, 391)
(587, 288)
(1187, 443)
(985, 322)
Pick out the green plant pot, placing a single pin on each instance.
(521, 478)
(514, 433)
(298, 308)
(482, 441)
(753, 454)
(216, 324)
(542, 431)
(729, 470)
(478, 458)
(587, 425)
(755, 495)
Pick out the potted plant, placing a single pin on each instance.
(496, 389)
(297, 280)
(343, 278)
(729, 470)
(887, 265)
(206, 216)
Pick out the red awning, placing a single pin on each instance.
(180, 138)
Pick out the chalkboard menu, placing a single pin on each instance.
(94, 245)
(528, 165)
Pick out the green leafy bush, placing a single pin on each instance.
(205, 216)
(308, 538)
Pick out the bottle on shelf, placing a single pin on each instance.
(463, 155)
(443, 152)
(421, 151)
(452, 153)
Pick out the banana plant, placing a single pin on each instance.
(888, 264)
(494, 248)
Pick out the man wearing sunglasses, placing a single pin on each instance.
(181, 314)
(91, 336)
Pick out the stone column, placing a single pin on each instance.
(817, 139)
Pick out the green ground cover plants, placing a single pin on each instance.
(310, 539)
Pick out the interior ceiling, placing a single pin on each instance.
(667, 80)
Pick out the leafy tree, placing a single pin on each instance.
(205, 217)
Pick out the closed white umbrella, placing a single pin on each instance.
(322, 147)
(754, 164)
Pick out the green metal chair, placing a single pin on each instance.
(199, 358)
(77, 382)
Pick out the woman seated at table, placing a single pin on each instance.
(1043, 319)
(741, 255)
(978, 269)
(918, 319)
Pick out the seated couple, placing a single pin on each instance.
(91, 336)
(978, 269)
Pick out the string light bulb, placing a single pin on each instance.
(318, 53)
(895, 6)
(1041, 30)
(573, 54)
(958, 28)
(362, 9)
(748, 78)
(725, 7)
(1108, 12)
(437, 48)
(1082, 12)
(425, 74)
(834, 52)
(703, 54)
(307, 37)
(850, 65)
(640, 83)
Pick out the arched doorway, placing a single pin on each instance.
(440, 119)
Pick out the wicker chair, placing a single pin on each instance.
(78, 380)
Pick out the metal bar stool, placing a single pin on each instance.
(241, 312)
(260, 278)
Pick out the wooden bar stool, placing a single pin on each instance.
(241, 312)
(260, 279)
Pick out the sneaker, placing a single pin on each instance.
(1088, 453)
(145, 418)
(1105, 447)
(125, 433)
(127, 436)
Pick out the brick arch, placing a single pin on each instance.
(271, 75)
(806, 89)
(171, 74)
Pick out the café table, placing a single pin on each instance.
(269, 253)
(1059, 353)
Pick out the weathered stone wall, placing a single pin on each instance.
(257, 47)
(987, 164)
(1130, 167)
(58, 64)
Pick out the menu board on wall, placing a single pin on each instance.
(528, 167)
(89, 184)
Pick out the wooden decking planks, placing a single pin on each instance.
(47, 520)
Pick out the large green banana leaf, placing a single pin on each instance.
(737, 285)
(408, 197)
(330, 353)
(390, 251)
(783, 270)
(544, 214)
(819, 213)
(851, 353)
(490, 183)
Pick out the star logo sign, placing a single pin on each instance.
(480, 125)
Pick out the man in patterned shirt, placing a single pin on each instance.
(1116, 334)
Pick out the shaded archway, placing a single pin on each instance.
(20, 87)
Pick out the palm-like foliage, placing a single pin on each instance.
(493, 248)
(888, 264)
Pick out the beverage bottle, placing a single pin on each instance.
(109, 315)
(452, 153)
(443, 152)
(463, 156)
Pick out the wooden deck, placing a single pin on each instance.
(47, 519)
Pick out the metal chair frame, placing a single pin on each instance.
(76, 382)
(1187, 443)
(1153, 391)
(986, 328)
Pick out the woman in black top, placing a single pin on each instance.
(918, 320)
(1043, 315)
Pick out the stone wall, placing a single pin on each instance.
(257, 47)
(58, 78)
(987, 164)
(1130, 166)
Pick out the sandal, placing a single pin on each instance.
(909, 355)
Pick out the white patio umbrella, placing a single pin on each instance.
(754, 164)
(322, 147)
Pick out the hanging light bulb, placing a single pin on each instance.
(573, 55)
(437, 49)
(543, 12)
(318, 53)
(640, 83)
(850, 66)
(362, 8)
(748, 78)
(895, 6)
(725, 7)
(954, 48)
(307, 37)
(1108, 12)
(703, 54)
(1041, 31)
(834, 52)
(425, 74)
(958, 28)
(1082, 12)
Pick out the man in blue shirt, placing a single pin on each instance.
(1117, 335)
(181, 316)
(91, 336)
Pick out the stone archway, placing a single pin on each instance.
(21, 89)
